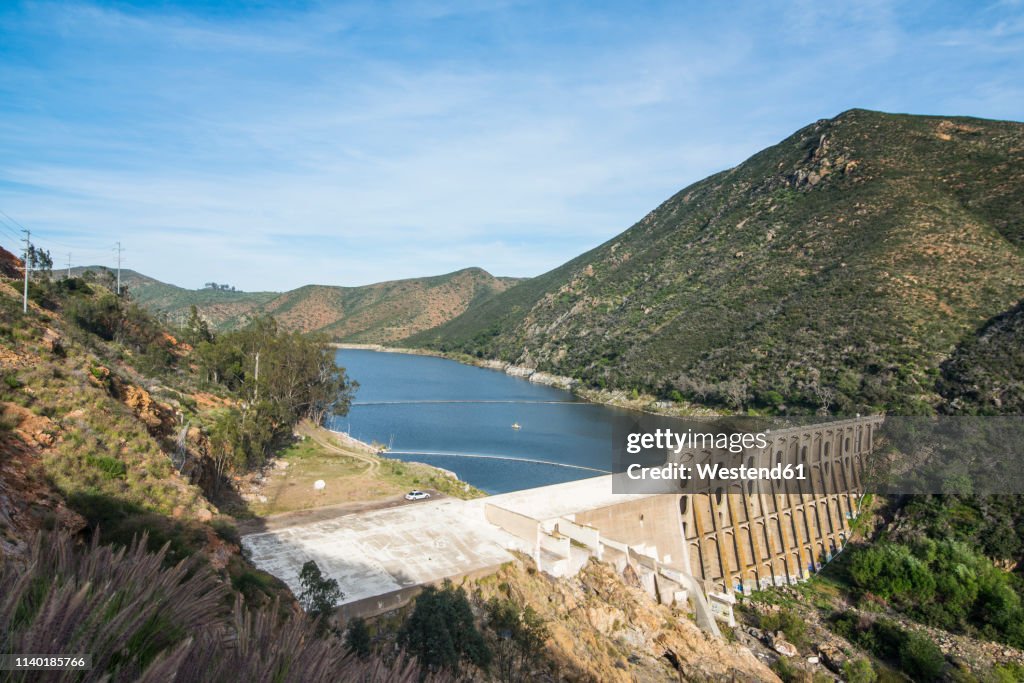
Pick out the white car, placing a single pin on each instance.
(417, 495)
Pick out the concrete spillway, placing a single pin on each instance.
(699, 547)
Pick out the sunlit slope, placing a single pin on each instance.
(377, 313)
(839, 267)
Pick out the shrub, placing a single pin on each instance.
(227, 531)
(920, 658)
(943, 583)
(787, 621)
(357, 637)
(785, 670)
(248, 583)
(518, 637)
(112, 468)
(441, 633)
(859, 671)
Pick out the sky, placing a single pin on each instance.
(270, 145)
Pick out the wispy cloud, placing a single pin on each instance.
(353, 143)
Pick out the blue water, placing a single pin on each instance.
(424, 406)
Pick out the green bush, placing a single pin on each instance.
(889, 569)
(912, 652)
(785, 670)
(112, 468)
(945, 584)
(859, 671)
(920, 658)
(517, 636)
(787, 621)
(248, 583)
(441, 632)
(357, 637)
(227, 531)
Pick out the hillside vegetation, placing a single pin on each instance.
(379, 313)
(121, 447)
(836, 270)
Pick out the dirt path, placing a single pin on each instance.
(323, 438)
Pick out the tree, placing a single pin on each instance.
(39, 261)
(826, 396)
(319, 593)
(357, 637)
(196, 329)
(519, 637)
(734, 392)
(441, 632)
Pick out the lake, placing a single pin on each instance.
(461, 418)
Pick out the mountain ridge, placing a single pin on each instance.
(382, 312)
(835, 269)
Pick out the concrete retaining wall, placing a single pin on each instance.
(584, 535)
(514, 523)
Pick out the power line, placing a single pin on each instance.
(5, 224)
(11, 227)
(9, 230)
(4, 213)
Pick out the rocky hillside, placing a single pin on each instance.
(379, 313)
(10, 265)
(837, 269)
(603, 627)
(85, 441)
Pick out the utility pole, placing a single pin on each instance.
(257, 392)
(69, 265)
(118, 249)
(28, 245)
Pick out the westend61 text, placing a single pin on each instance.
(716, 472)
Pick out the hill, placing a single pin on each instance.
(379, 313)
(121, 459)
(836, 269)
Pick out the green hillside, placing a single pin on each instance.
(838, 268)
(985, 375)
(379, 313)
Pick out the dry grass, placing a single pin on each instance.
(352, 475)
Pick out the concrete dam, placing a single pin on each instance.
(699, 548)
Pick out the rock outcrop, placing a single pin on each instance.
(602, 628)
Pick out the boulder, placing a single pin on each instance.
(785, 648)
(158, 417)
(53, 342)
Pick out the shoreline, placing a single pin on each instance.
(614, 398)
(353, 442)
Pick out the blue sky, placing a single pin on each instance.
(270, 145)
